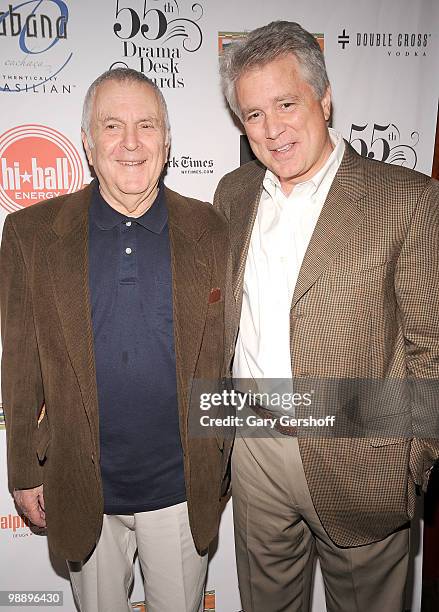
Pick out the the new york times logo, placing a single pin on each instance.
(146, 33)
(191, 165)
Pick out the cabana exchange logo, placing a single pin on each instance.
(35, 48)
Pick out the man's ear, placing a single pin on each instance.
(87, 147)
(326, 103)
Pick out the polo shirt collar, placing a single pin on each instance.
(106, 217)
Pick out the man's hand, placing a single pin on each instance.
(31, 503)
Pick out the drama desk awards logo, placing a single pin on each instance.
(384, 143)
(35, 47)
(37, 162)
(156, 36)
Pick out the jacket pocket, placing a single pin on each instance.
(43, 439)
(378, 441)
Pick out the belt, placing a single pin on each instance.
(266, 414)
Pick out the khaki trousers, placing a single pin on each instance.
(174, 573)
(278, 534)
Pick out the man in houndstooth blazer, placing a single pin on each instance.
(335, 274)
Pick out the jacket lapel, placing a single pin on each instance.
(191, 274)
(67, 259)
(243, 215)
(338, 220)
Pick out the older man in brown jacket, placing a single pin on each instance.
(335, 265)
(112, 302)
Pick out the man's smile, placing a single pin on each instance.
(131, 163)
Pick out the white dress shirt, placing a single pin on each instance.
(280, 237)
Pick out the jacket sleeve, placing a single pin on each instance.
(22, 389)
(220, 202)
(417, 293)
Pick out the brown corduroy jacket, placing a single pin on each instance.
(366, 308)
(48, 359)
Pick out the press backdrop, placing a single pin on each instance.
(382, 58)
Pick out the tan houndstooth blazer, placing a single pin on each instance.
(365, 306)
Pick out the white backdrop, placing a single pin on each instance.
(382, 58)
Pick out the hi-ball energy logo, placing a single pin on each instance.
(146, 30)
(37, 162)
(35, 47)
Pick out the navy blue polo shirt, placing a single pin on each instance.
(131, 302)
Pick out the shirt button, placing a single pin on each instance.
(128, 223)
(128, 251)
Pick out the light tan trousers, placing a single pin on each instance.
(278, 534)
(174, 573)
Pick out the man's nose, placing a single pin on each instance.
(130, 138)
(273, 126)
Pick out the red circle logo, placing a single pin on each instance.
(36, 163)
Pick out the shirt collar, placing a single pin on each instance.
(271, 182)
(106, 217)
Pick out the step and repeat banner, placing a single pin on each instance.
(382, 58)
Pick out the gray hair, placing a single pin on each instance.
(121, 75)
(266, 44)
